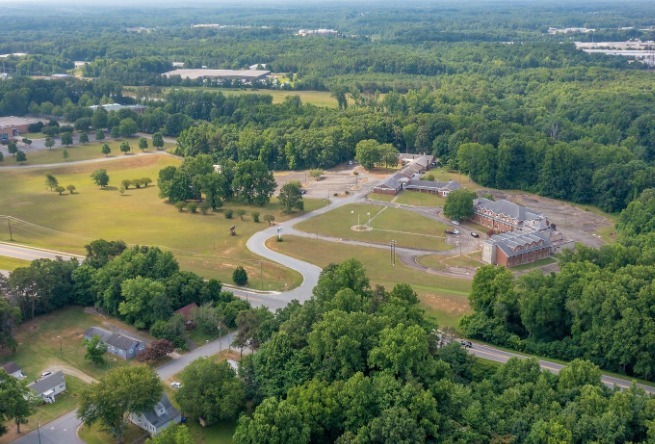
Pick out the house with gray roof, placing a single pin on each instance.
(13, 370)
(49, 386)
(515, 248)
(502, 216)
(412, 169)
(441, 189)
(117, 344)
(162, 415)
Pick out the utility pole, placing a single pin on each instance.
(11, 236)
(392, 245)
(261, 275)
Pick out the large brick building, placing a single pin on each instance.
(503, 216)
(514, 248)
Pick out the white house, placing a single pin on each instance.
(162, 415)
(13, 369)
(49, 386)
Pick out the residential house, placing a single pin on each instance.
(49, 386)
(515, 248)
(13, 369)
(162, 415)
(187, 312)
(502, 216)
(117, 344)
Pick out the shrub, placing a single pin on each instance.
(192, 207)
(180, 205)
(205, 207)
(255, 216)
(228, 214)
(240, 276)
(240, 213)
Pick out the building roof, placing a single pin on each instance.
(114, 339)
(47, 383)
(432, 185)
(507, 208)
(510, 242)
(218, 73)
(11, 367)
(162, 413)
(12, 121)
(116, 107)
(393, 182)
(187, 310)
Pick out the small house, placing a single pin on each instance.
(49, 386)
(187, 312)
(117, 344)
(162, 415)
(13, 370)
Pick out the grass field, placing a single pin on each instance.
(318, 98)
(419, 199)
(84, 151)
(443, 297)
(10, 263)
(201, 243)
(381, 197)
(387, 224)
(440, 262)
(93, 435)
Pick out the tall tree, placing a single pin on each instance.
(51, 181)
(100, 177)
(14, 401)
(291, 197)
(118, 393)
(94, 350)
(459, 204)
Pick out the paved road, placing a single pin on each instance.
(30, 254)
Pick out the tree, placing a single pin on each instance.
(94, 350)
(211, 391)
(273, 422)
(158, 140)
(459, 204)
(51, 181)
(125, 147)
(71, 188)
(118, 393)
(20, 157)
(125, 183)
(253, 183)
(143, 144)
(146, 181)
(291, 198)
(84, 137)
(99, 118)
(192, 207)
(316, 174)
(106, 149)
(255, 216)
(269, 219)
(100, 251)
(157, 350)
(100, 177)
(59, 189)
(180, 205)
(64, 154)
(240, 212)
(367, 153)
(100, 135)
(2, 156)
(175, 434)
(67, 138)
(49, 142)
(144, 302)
(240, 276)
(9, 317)
(26, 141)
(115, 132)
(14, 401)
(127, 127)
(12, 147)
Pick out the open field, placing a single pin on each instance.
(443, 297)
(318, 98)
(45, 413)
(386, 224)
(439, 262)
(419, 199)
(85, 151)
(201, 243)
(10, 263)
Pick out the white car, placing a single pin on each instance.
(46, 373)
(455, 222)
(176, 385)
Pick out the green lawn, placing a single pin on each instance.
(93, 435)
(381, 197)
(535, 265)
(408, 229)
(85, 151)
(420, 199)
(440, 262)
(10, 263)
(201, 243)
(444, 297)
(44, 413)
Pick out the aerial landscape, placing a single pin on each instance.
(327, 222)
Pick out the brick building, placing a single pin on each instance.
(503, 216)
(512, 249)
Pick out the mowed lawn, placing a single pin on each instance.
(419, 199)
(443, 297)
(408, 229)
(201, 243)
(85, 151)
(10, 263)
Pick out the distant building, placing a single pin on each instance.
(49, 386)
(512, 249)
(245, 75)
(256, 66)
(414, 167)
(15, 126)
(320, 32)
(139, 109)
(162, 415)
(441, 189)
(13, 370)
(187, 312)
(117, 344)
(502, 216)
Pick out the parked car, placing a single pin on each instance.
(176, 385)
(455, 231)
(466, 344)
(455, 222)
(474, 234)
(46, 373)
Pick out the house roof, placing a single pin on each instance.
(162, 413)
(11, 367)
(510, 242)
(187, 310)
(432, 185)
(47, 383)
(114, 339)
(507, 208)
(392, 182)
